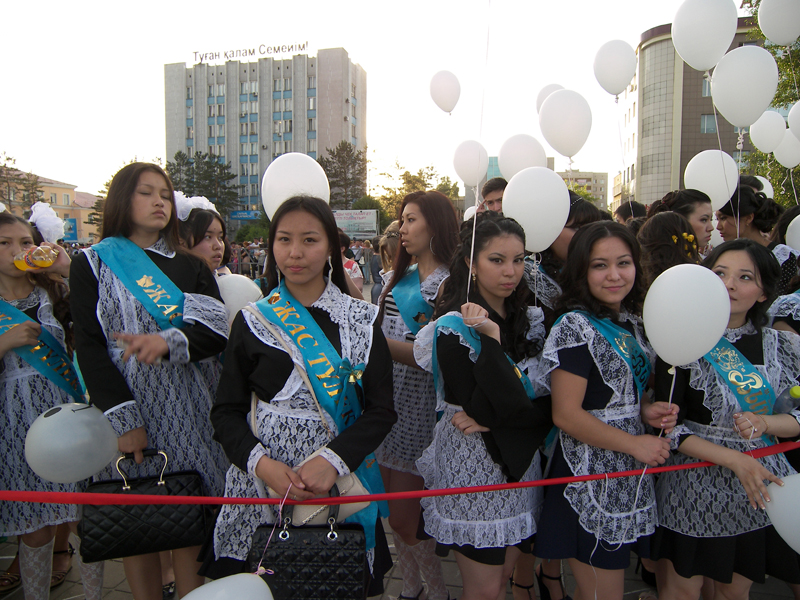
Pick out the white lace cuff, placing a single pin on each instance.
(125, 417)
(674, 437)
(255, 455)
(334, 459)
(423, 347)
(209, 311)
(178, 345)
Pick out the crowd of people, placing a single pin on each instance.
(472, 363)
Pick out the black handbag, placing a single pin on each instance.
(312, 562)
(109, 532)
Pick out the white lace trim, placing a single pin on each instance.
(735, 334)
(160, 247)
(199, 308)
(335, 460)
(786, 306)
(178, 345)
(544, 288)
(615, 510)
(783, 252)
(255, 455)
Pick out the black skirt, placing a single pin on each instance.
(752, 555)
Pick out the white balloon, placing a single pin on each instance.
(744, 84)
(242, 586)
(471, 162)
(681, 332)
(445, 90)
(767, 132)
(782, 509)
(289, 175)
(788, 151)
(779, 20)
(520, 152)
(716, 236)
(615, 66)
(70, 442)
(703, 30)
(545, 92)
(768, 191)
(793, 234)
(565, 120)
(715, 174)
(539, 200)
(237, 291)
(470, 212)
(794, 120)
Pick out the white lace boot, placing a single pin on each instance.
(35, 569)
(409, 570)
(431, 567)
(91, 577)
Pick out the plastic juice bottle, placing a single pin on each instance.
(38, 256)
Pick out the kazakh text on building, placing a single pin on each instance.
(262, 50)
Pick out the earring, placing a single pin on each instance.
(278, 271)
(430, 245)
(474, 277)
(330, 265)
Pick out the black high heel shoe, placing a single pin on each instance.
(544, 593)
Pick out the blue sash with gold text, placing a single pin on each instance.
(48, 357)
(333, 379)
(753, 392)
(456, 323)
(624, 344)
(416, 312)
(140, 275)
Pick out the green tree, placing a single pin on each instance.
(214, 180)
(346, 169)
(765, 165)
(448, 188)
(9, 181)
(585, 194)
(370, 203)
(181, 172)
(254, 229)
(31, 189)
(402, 182)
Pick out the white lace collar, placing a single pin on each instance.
(735, 334)
(160, 247)
(333, 302)
(31, 300)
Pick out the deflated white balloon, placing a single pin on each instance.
(782, 509)
(768, 191)
(70, 442)
(445, 90)
(520, 152)
(794, 118)
(615, 66)
(788, 151)
(471, 162)
(539, 200)
(702, 31)
(545, 92)
(681, 332)
(779, 20)
(715, 174)
(293, 174)
(744, 84)
(565, 120)
(793, 234)
(767, 132)
(237, 291)
(470, 212)
(242, 586)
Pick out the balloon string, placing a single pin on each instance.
(622, 155)
(472, 246)
(791, 68)
(722, 160)
(261, 570)
(791, 176)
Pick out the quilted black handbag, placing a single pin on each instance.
(109, 532)
(313, 562)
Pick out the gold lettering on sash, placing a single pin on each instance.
(745, 383)
(4, 317)
(145, 282)
(156, 294)
(294, 328)
(168, 308)
(304, 336)
(285, 312)
(175, 315)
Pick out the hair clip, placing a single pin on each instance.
(674, 239)
(688, 237)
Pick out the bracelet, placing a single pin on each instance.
(766, 425)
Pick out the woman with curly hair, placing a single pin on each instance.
(667, 239)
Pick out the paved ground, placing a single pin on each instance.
(116, 587)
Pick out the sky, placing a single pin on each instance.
(84, 81)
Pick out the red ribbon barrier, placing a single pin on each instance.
(120, 499)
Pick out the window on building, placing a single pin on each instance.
(743, 156)
(706, 88)
(312, 82)
(221, 151)
(253, 128)
(254, 108)
(211, 131)
(190, 133)
(287, 84)
(254, 189)
(53, 198)
(243, 169)
(220, 130)
(243, 108)
(253, 148)
(276, 85)
(707, 124)
(277, 105)
(189, 112)
(211, 91)
(242, 128)
(312, 145)
(220, 110)
(312, 103)
(243, 151)
(354, 130)
(220, 89)
(353, 109)
(244, 87)
(188, 93)
(312, 124)
(276, 127)
(287, 127)
(353, 88)
(211, 110)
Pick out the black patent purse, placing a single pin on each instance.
(312, 562)
(109, 532)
